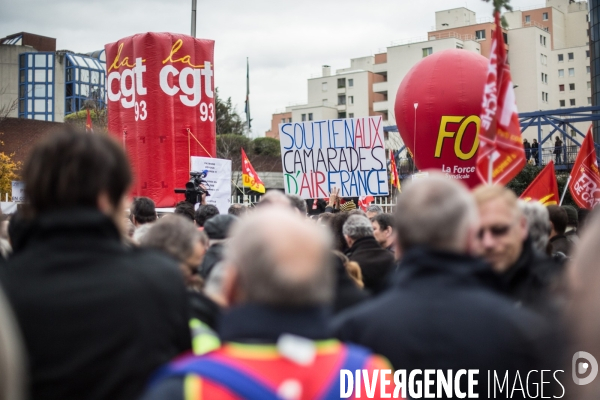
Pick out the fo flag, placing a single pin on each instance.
(249, 176)
(394, 178)
(584, 181)
(544, 188)
(500, 155)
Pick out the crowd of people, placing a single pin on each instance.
(102, 298)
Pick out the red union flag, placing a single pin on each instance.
(160, 90)
(584, 181)
(500, 133)
(543, 188)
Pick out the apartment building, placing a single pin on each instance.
(44, 83)
(548, 51)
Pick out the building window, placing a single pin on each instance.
(350, 82)
(350, 99)
(84, 80)
(547, 29)
(543, 59)
(561, 58)
(325, 101)
(587, 54)
(572, 102)
(527, 19)
(341, 100)
(342, 114)
(36, 86)
(324, 86)
(341, 83)
(310, 117)
(544, 78)
(561, 88)
(589, 85)
(571, 86)
(544, 97)
(587, 69)
(479, 35)
(589, 101)
(543, 40)
(351, 115)
(561, 73)
(545, 16)
(571, 71)
(427, 51)
(303, 117)
(562, 103)
(571, 56)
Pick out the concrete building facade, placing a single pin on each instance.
(548, 51)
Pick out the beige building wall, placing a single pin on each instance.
(454, 18)
(9, 75)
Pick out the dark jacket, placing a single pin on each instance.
(439, 314)
(347, 294)
(319, 209)
(530, 279)
(375, 263)
(561, 243)
(97, 317)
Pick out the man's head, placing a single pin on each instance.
(558, 219)
(185, 209)
(534, 140)
(219, 226)
(298, 203)
(143, 211)
(178, 237)
(383, 229)
(538, 223)
(204, 213)
(276, 258)
(356, 227)
(373, 210)
(74, 169)
(237, 209)
(274, 198)
(503, 226)
(572, 216)
(438, 213)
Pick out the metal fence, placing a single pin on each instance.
(386, 203)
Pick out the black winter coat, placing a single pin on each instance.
(439, 314)
(375, 263)
(97, 318)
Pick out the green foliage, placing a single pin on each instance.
(267, 146)
(228, 121)
(79, 118)
(498, 6)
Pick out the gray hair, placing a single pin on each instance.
(357, 227)
(173, 234)
(281, 259)
(298, 202)
(538, 223)
(374, 208)
(436, 212)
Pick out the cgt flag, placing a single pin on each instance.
(88, 122)
(249, 177)
(544, 188)
(584, 181)
(500, 156)
(394, 178)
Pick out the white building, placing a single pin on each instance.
(548, 52)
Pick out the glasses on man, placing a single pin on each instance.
(495, 230)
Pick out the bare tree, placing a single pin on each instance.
(7, 108)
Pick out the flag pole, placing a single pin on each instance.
(415, 139)
(490, 168)
(565, 190)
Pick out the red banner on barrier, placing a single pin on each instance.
(161, 106)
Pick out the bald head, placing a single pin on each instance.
(280, 259)
(438, 213)
(275, 198)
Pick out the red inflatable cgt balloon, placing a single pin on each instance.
(447, 88)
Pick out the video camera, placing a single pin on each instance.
(193, 188)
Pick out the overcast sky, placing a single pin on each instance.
(287, 42)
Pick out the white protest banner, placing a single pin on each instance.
(348, 154)
(18, 191)
(218, 180)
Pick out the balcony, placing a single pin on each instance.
(380, 67)
(380, 87)
(380, 106)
